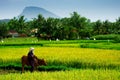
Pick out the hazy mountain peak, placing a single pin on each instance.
(32, 12)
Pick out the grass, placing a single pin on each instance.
(34, 40)
(28, 42)
(82, 74)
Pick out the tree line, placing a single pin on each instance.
(73, 27)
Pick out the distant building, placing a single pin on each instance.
(13, 34)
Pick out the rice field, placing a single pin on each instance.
(82, 74)
(71, 57)
(81, 63)
(67, 57)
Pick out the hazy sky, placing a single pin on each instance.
(92, 9)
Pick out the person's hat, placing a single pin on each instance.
(31, 49)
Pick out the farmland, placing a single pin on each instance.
(84, 74)
(66, 60)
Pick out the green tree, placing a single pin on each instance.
(18, 24)
(3, 30)
(49, 26)
(21, 28)
(117, 26)
(39, 23)
(81, 24)
(97, 27)
(29, 30)
(65, 28)
(106, 28)
(13, 24)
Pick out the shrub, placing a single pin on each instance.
(117, 39)
(105, 37)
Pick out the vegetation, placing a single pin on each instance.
(65, 59)
(74, 63)
(74, 27)
(83, 74)
(28, 42)
(88, 58)
(3, 30)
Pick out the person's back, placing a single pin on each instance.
(31, 58)
(30, 54)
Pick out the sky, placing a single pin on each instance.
(91, 9)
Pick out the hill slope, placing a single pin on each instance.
(32, 12)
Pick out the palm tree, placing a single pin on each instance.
(97, 27)
(80, 23)
(13, 24)
(106, 28)
(39, 24)
(3, 30)
(21, 25)
(117, 26)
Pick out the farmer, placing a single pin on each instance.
(31, 58)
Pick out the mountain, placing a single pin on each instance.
(32, 12)
(4, 20)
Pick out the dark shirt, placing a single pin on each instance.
(30, 54)
(31, 60)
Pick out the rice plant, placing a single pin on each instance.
(69, 57)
